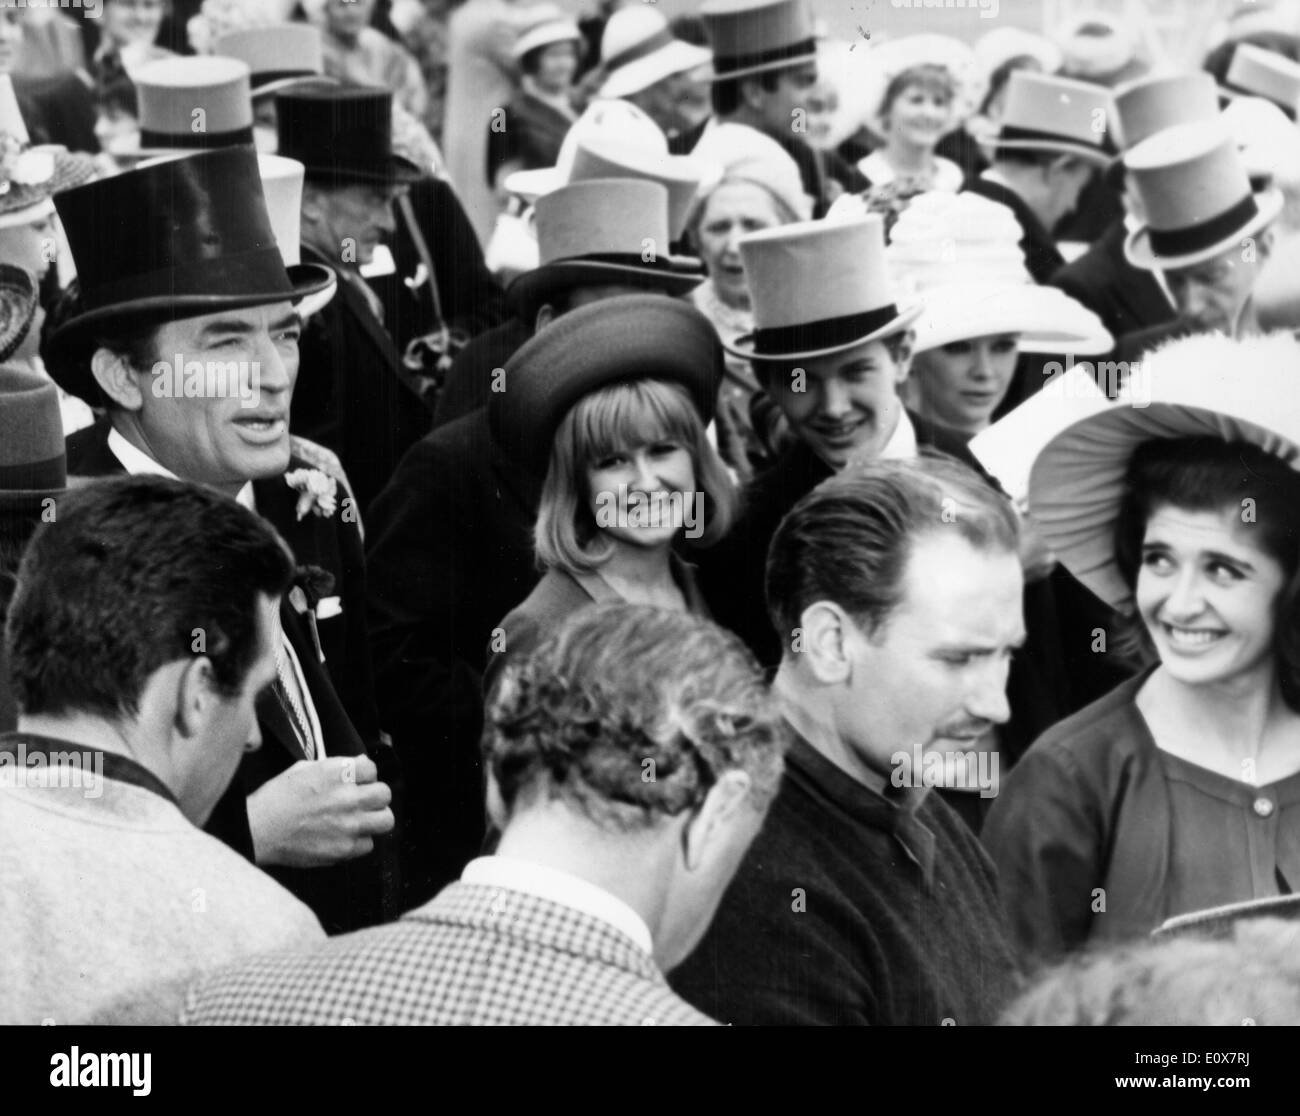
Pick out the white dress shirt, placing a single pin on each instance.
(902, 442)
(555, 886)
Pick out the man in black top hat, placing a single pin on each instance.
(356, 396)
(184, 326)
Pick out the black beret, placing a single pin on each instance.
(615, 340)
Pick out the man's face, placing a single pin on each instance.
(844, 404)
(29, 246)
(133, 21)
(355, 219)
(348, 18)
(676, 104)
(1066, 179)
(793, 87)
(933, 677)
(232, 729)
(216, 437)
(1210, 295)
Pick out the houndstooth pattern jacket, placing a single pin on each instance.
(473, 955)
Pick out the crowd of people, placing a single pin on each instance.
(511, 519)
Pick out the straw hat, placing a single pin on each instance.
(31, 176)
(615, 139)
(1043, 112)
(1203, 386)
(756, 36)
(616, 340)
(1257, 72)
(1197, 196)
(603, 230)
(638, 49)
(960, 254)
(819, 287)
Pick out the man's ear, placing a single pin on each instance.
(751, 93)
(1264, 242)
(821, 642)
(117, 379)
(903, 359)
(714, 822)
(545, 316)
(196, 695)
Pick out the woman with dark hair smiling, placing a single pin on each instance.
(1180, 507)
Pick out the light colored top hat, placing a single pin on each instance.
(1146, 106)
(278, 57)
(755, 36)
(1263, 73)
(545, 33)
(193, 104)
(639, 49)
(615, 139)
(282, 182)
(819, 287)
(612, 230)
(960, 254)
(1043, 112)
(1196, 192)
(33, 463)
(1190, 388)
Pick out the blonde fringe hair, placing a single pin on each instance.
(614, 419)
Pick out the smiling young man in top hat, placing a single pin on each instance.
(183, 325)
(1052, 138)
(450, 537)
(1206, 227)
(357, 396)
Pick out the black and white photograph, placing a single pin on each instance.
(651, 513)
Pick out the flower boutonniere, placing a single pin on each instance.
(317, 492)
(311, 586)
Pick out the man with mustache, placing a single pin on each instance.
(865, 899)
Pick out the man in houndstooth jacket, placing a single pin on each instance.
(632, 760)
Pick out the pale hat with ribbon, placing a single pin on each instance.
(745, 154)
(639, 49)
(282, 183)
(960, 255)
(1148, 105)
(1257, 72)
(757, 36)
(33, 460)
(280, 56)
(1207, 386)
(193, 104)
(603, 231)
(819, 287)
(1043, 112)
(1197, 197)
(615, 139)
(31, 176)
(546, 32)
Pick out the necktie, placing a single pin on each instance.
(286, 690)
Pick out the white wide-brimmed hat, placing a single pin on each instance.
(546, 32)
(819, 287)
(1204, 386)
(639, 49)
(1197, 195)
(615, 139)
(960, 255)
(881, 63)
(757, 36)
(740, 153)
(1256, 72)
(1044, 112)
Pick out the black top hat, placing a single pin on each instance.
(170, 240)
(342, 134)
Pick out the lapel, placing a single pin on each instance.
(1143, 298)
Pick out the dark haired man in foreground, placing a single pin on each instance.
(632, 760)
(142, 631)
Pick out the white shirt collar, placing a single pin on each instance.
(902, 442)
(560, 887)
(136, 461)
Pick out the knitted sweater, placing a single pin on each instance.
(854, 908)
(109, 895)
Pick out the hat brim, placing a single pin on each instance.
(764, 67)
(301, 81)
(1077, 482)
(529, 291)
(744, 346)
(71, 374)
(677, 57)
(1059, 147)
(396, 171)
(1044, 319)
(1138, 250)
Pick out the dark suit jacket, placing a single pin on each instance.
(1041, 255)
(531, 136)
(450, 553)
(350, 895)
(349, 396)
(468, 385)
(58, 109)
(1124, 297)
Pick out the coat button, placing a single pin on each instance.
(1263, 807)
